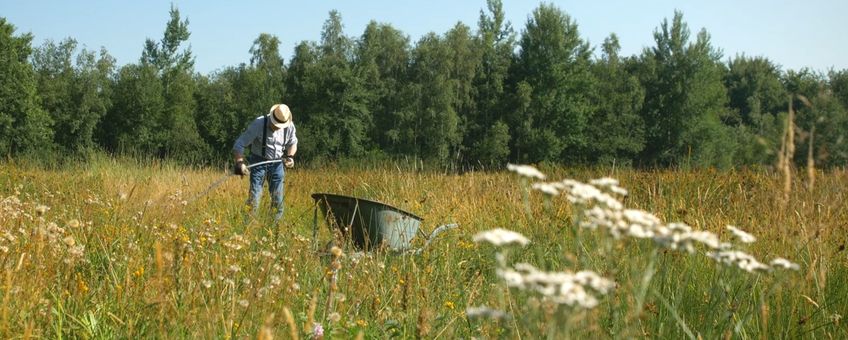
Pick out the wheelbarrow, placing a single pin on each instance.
(370, 224)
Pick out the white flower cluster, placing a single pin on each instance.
(610, 184)
(550, 189)
(572, 289)
(599, 208)
(237, 242)
(784, 264)
(485, 312)
(604, 211)
(743, 236)
(501, 237)
(11, 207)
(740, 259)
(526, 171)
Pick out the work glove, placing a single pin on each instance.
(241, 169)
(289, 162)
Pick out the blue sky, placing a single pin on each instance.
(793, 34)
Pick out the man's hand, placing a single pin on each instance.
(289, 162)
(241, 169)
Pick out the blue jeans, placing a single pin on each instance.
(276, 175)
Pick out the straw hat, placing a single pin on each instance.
(280, 115)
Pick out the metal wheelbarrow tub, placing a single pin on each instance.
(370, 224)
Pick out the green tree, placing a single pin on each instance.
(76, 94)
(219, 119)
(833, 131)
(93, 94)
(431, 130)
(54, 74)
(335, 116)
(820, 118)
(615, 130)
(174, 66)
(487, 134)
(166, 55)
(302, 91)
(263, 82)
(756, 97)
(754, 89)
(839, 85)
(24, 126)
(554, 65)
(133, 123)
(464, 62)
(685, 100)
(493, 147)
(301, 88)
(382, 58)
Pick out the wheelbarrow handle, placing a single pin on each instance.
(439, 230)
(435, 233)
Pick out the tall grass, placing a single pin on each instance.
(115, 249)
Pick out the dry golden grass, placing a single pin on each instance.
(156, 263)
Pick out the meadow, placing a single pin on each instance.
(130, 249)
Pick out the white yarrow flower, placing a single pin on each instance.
(591, 279)
(501, 237)
(511, 278)
(740, 259)
(549, 189)
(706, 238)
(485, 312)
(784, 264)
(526, 171)
(641, 217)
(558, 287)
(618, 190)
(604, 182)
(743, 236)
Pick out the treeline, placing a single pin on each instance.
(479, 96)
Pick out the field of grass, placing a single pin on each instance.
(116, 249)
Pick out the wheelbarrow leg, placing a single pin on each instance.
(315, 227)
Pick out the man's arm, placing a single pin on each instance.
(291, 150)
(238, 156)
(244, 141)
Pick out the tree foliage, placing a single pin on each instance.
(381, 61)
(24, 125)
(756, 99)
(554, 65)
(487, 135)
(615, 131)
(685, 99)
(76, 93)
(481, 96)
(334, 105)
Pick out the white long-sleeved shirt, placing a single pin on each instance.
(276, 143)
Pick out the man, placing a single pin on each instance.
(270, 137)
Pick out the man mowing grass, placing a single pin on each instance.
(272, 138)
